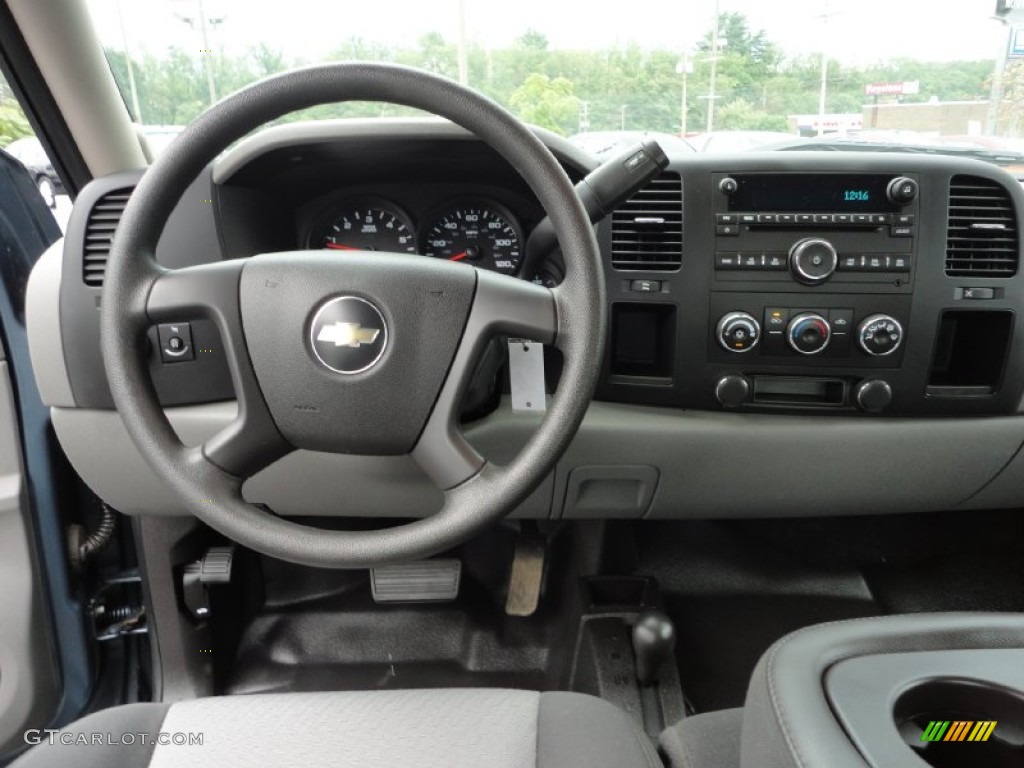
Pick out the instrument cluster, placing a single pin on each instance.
(474, 231)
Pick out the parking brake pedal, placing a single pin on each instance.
(424, 581)
(524, 582)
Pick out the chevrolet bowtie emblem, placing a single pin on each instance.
(347, 334)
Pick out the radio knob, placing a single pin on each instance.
(813, 260)
(809, 333)
(738, 332)
(732, 390)
(728, 185)
(880, 335)
(872, 395)
(902, 190)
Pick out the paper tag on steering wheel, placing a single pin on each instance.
(526, 371)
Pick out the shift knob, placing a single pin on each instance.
(654, 640)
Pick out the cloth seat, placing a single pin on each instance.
(377, 729)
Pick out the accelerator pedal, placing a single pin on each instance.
(526, 577)
(423, 581)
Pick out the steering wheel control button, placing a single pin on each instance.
(175, 342)
(880, 335)
(348, 335)
(809, 333)
(872, 395)
(813, 260)
(738, 332)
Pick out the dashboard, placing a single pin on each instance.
(789, 334)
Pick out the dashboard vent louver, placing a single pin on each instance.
(99, 231)
(982, 239)
(647, 230)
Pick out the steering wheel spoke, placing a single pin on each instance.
(211, 291)
(502, 305)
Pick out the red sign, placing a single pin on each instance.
(892, 89)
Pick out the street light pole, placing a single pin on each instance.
(714, 68)
(823, 90)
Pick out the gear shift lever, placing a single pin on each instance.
(654, 639)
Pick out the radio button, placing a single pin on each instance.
(879, 218)
(841, 218)
(813, 260)
(787, 218)
(823, 218)
(750, 261)
(726, 218)
(905, 219)
(767, 218)
(775, 262)
(874, 263)
(850, 263)
(805, 218)
(727, 261)
(862, 218)
(901, 231)
(748, 218)
(898, 263)
(727, 230)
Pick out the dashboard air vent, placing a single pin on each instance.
(647, 230)
(99, 231)
(982, 240)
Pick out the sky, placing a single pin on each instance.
(859, 32)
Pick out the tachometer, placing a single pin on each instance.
(482, 235)
(370, 226)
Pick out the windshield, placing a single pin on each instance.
(786, 71)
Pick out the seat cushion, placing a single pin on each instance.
(707, 740)
(378, 729)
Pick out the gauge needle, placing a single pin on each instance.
(459, 256)
(336, 247)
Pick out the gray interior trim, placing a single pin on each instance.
(29, 684)
(710, 464)
(707, 740)
(294, 134)
(64, 45)
(121, 723)
(42, 320)
(575, 731)
(788, 722)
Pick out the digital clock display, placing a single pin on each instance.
(807, 193)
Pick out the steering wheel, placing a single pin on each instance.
(360, 353)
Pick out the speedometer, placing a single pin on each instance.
(482, 235)
(370, 226)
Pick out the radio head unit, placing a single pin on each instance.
(818, 193)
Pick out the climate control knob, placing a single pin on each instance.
(880, 335)
(813, 260)
(738, 332)
(809, 333)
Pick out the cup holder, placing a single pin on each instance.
(956, 701)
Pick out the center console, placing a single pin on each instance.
(875, 285)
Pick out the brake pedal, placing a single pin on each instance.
(524, 581)
(424, 581)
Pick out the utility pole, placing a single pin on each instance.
(714, 68)
(207, 54)
(131, 67)
(584, 125)
(684, 67)
(995, 97)
(463, 56)
(823, 88)
(622, 117)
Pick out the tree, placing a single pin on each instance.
(546, 102)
